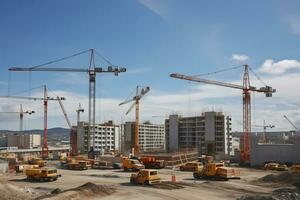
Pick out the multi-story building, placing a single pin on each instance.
(151, 137)
(24, 141)
(107, 137)
(208, 133)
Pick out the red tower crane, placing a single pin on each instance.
(21, 114)
(92, 71)
(45, 99)
(246, 88)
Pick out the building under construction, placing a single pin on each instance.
(209, 134)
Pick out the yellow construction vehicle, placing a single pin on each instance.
(216, 171)
(37, 161)
(271, 166)
(191, 166)
(145, 176)
(22, 167)
(78, 165)
(131, 165)
(295, 168)
(42, 174)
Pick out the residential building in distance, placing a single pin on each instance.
(151, 137)
(209, 134)
(107, 137)
(24, 141)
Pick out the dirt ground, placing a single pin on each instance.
(114, 185)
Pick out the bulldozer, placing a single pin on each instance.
(216, 171)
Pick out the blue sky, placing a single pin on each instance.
(152, 39)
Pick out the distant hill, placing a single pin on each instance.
(54, 134)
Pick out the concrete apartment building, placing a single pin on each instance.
(107, 137)
(209, 133)
(151, 137)
(24, 141)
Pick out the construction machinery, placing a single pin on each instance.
(264, 126)
(140, 92)
(295, 168)
(92, 71)
(216, 171)
(42, 174)
(131, 165)
(45, 99)
(21, 114)
(37, 161)
(74, 164)
(22, 167)
(145, 176)
(246, 88)
(191, 166)
(152, 162)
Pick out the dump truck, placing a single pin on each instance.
(131, 165)
(78, 165)
(145, 176)
(216, 171)
(37, 161)
(42, 174)
(101, 165)
(275, 166)
(22, 167)
(191, 166)
(152, 163)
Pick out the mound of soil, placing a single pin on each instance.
(96, 189)
(285, 177)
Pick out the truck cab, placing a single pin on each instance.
(145, 176)
(132, 165)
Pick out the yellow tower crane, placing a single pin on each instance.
(140, 92)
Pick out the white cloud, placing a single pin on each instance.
(280, 67)
(158, 7)
(239, 57)
(159, 103)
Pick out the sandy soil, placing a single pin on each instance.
(189, 188)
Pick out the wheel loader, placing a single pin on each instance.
(216, 171)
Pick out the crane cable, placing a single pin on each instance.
(60, 59)
(222, 70)
(258, 78)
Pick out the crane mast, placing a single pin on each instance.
(92, 71)
(45, 99)
(21, 114)
(140, 92)
(246, 88)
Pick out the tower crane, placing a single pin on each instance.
(297, 129)
(45, 99)
(79, 110)
(246, 88)
(265, 130)
(91, 71)
(21, 114)
(140, 92)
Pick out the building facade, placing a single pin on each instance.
(209, 134)
(107, 137)
(24, 141)
(151, 137)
